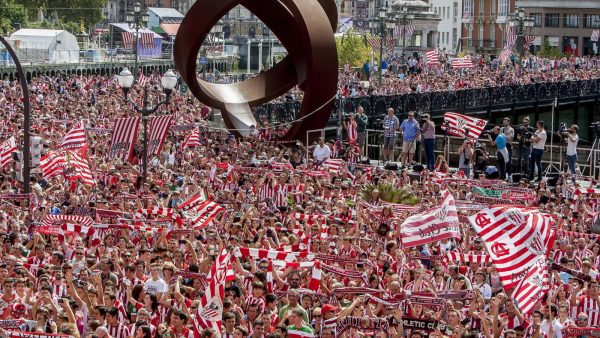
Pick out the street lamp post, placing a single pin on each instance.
(168, 82)
(248, 57)
(523, 23)
(214, 32)
(137, 20)
(26, 116)
(404, 18)
(382, 25)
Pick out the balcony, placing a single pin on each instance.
(486, 43)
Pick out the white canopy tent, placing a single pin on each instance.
(45, 46)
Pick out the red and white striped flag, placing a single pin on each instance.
(79, 166)
(52, 165)
(408, 32)
(374, 42)
(462, 63)
(293, 333)
(59, 220)
(147, 40)
(143, 80)
(333, 164)
(532, 287)
(432, 57)
(128, 39)
(193, 202)
(511, 37)
(210, 311)
(123, 138)
(516, 238)
(254, 253)
(505, 55)
(206, 212)
(192, 140)
(457, 124)
(74, 139)
(8, 147)
(432, 225)
(595, 35)
(390, 44)
(159, 125)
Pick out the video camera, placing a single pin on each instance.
(524, 132)
(563, 131)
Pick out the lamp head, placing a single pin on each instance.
(125, 79)
(168, 82)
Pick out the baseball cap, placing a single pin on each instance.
(328, 308)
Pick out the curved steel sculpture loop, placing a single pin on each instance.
(304, 27)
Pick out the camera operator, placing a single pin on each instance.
(572, 140)
(524, 133)
(480, 158)
(509, 133)
(465, 158)
(361, 126)
(428, 132)
(538, 141)
(499, 140)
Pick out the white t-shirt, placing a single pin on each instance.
(321, 153)
(572, 145)
(542, 141)
(155, 286)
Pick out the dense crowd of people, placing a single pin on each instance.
(125, 275)
(414, 75)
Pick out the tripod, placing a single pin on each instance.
(551, 166)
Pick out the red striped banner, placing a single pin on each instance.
(52, 165)
(123, 138)
(457, 123)
(74, 139)
(433, 225)
(128, 39)
(159, 125)
(192, 140)
(8, 147)
(432, 57)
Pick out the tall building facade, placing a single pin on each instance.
(449, 29)
(566, 24)
(484, 23)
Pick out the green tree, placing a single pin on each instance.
(352, 49)
(10, 14)
(87, 11)
(548, 51)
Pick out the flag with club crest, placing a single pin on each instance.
(432, 225)
(517, 238)
(74, 139)
(532, 288)
(210, 311)
(432, 57)
(461, 125)
(159, 125)
(8, 147)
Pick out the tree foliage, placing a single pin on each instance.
(388, 193)
(10, 14)
(65, 12)
(549, 52)
(352, 49)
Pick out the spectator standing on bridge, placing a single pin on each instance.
(410, 131)
(509, 133)
(524, 133)
(362, 121)
(539, 142)
(321, 152)
(428, 133)
(572, 140)
(498, 139)
(391, 124)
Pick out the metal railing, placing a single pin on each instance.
(436, 103)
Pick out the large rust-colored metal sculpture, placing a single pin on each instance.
(304, 27)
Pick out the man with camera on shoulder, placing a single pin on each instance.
(524, 133)
(572, 139)
(538, 141)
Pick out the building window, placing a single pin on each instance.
(570, 45)
(571, 20)
(455, 11)
(552, 20)
(493, 7)
(454, 36)
(591, 21)
(480, 35)
(492, 38)
(481, 7)
(467, 9)
(537, 19)
(503, 7)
